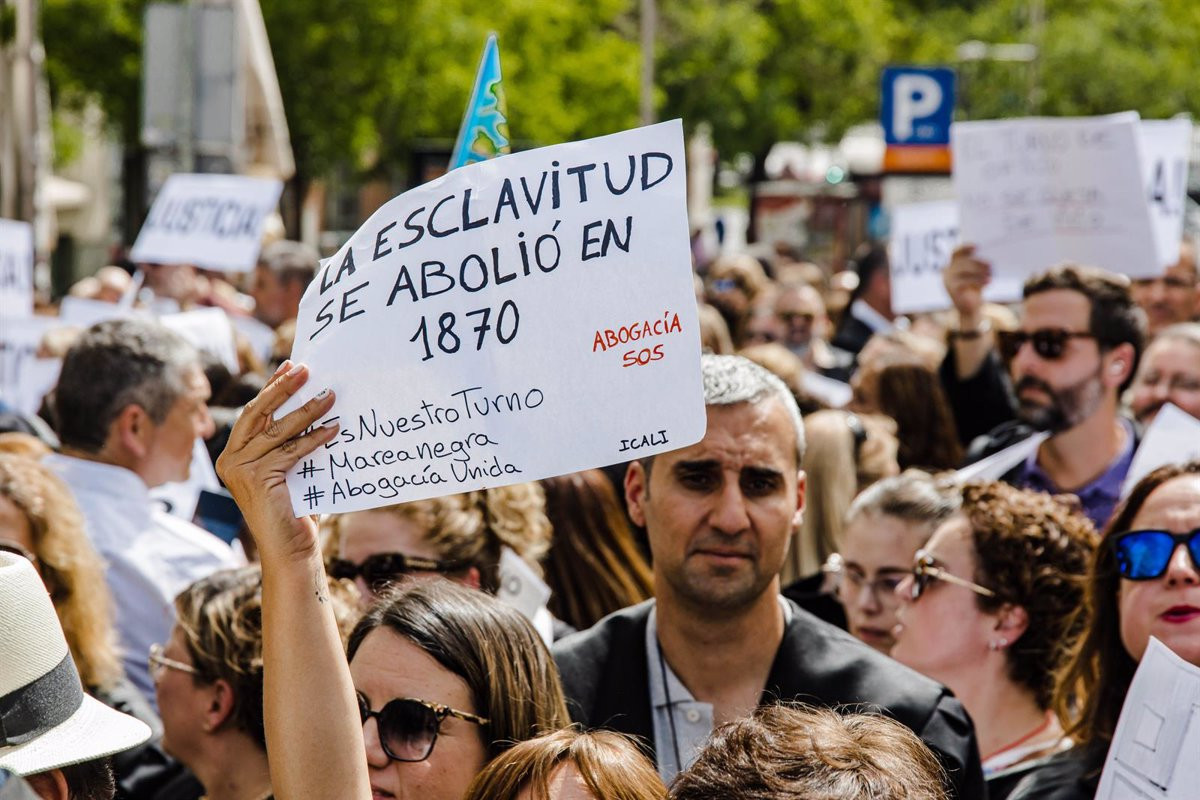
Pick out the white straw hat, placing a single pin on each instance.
(46, 720)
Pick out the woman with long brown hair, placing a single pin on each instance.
(1144, 581)
(594, 566)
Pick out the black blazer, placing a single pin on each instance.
(605, 679)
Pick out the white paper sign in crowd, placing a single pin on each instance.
(923, 237)
(16, 269)
(1036, 192)
(1172, 438)
(1153, 752)
(523, 317)
(1166, 146)
(25, 378)
(210, 221)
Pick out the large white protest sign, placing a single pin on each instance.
(1173, 438)
(523, 317)
(923, 237)
(1166, 145)
(1154, 748)
(16, 269)
(211, 221)
(1037, 192)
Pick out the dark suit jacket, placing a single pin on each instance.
(607, 685)
(851, 335)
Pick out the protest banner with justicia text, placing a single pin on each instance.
(524, 317)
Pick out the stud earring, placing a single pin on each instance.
(998, 644)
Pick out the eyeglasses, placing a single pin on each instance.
(408, 728)
(850, 582)
(1144, 555)
(1048, 343)
(159, 664)
(925, 571)
(384, 568)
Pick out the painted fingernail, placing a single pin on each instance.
(295, 370)
(321, 395)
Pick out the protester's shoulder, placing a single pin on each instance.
(196, 540)
(584, 647)
(1004, 435)
(1066, 776)
(837, 658)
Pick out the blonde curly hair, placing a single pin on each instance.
(70, 567)
(472, 527)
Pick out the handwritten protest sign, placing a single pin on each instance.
(1166, 145)
(523, 317)
(923, 237)
(211, 221)
(16, 269)
(1153, 751)
(1036, 192)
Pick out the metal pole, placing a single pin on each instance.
(649, 21)
(187, 101)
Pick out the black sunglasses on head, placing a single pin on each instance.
(1145, 555)
(408, 727)
(384, 568)
(1048, 343)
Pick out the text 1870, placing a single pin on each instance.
(445, 337)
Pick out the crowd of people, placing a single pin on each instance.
(807, 603)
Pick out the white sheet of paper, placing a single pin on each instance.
(833, 393)
(995, 465)
(260, 336)
(181, 497)
(211, 221)
(1173, 438)
(20, 376)
(1036, 192)
(1166, 147)
(923, 237)
(1153, 753)
(208, 330)
(520, 586)
(494, 326)
(16, 269)
(85, 313)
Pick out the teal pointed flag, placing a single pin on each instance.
(484, 132)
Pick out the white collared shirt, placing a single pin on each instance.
(150, 556)
(877, 322)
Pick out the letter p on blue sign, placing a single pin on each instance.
(917, 105)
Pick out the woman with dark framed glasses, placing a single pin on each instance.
(987, 610)
(1143, 581)
(445, 646)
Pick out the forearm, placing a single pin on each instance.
(971, 350)
(313, 735)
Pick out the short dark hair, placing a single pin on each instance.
(1033, 550)
(291, 261)
(1115, 318)
(115, 364)
(785, 751)
(90, 780)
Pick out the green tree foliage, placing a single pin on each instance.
(363, 80)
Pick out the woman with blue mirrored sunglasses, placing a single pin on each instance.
(1143, 582)
(1145, 555)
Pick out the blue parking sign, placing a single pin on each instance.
(917, 105)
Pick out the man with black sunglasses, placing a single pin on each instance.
(718, 640)
(1075, 351)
